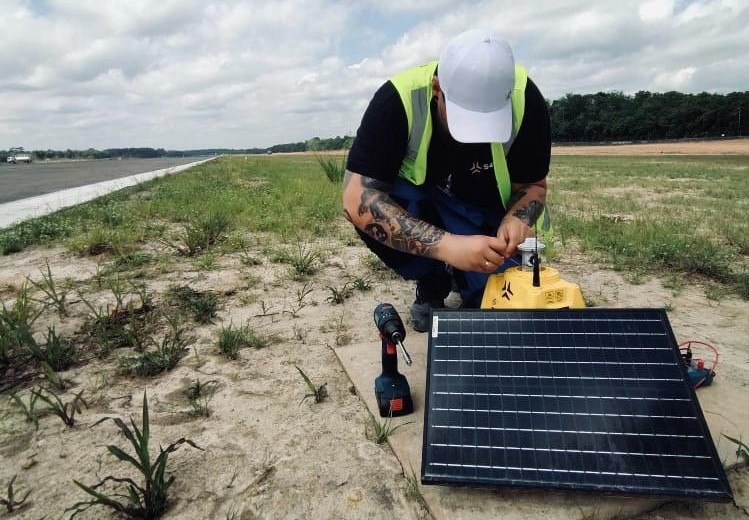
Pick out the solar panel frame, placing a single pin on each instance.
(489, 419)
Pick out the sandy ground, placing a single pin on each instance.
(266, 453)
(725, 147)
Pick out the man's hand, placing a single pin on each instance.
(526, 206)
(470, 252)
(512, 232)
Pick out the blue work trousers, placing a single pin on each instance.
(440, 208)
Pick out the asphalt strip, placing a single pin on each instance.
(20, 210)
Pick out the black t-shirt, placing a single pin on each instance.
(465, 169)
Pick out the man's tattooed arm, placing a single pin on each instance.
(381, 217)
(527, 202)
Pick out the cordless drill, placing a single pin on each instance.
(391, 388)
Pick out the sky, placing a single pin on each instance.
(188, 74)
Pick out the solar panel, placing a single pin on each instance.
(591, 399)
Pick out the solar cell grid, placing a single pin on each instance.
(589, 399)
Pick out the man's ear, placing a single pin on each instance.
(435, 86)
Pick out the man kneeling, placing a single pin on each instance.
(447, 173)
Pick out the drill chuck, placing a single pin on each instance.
(389, 323)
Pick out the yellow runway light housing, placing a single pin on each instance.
(531, 286)
(514, 289)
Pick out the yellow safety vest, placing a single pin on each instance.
(414, 87)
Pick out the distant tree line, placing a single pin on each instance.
(314, 144)
(614, 116)
(605, 116)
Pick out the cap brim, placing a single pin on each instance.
(467, 126)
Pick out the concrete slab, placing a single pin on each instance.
(20, 210)
(725, 406)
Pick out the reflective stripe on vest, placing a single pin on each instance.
(414, 86)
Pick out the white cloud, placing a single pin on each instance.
(655, 10)
(245, 73)
(675, 80)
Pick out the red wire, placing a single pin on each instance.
(684, 345)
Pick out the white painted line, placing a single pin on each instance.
(548, 362)
(579, 432)
(576, 378)
(565, 450)
(555, 396)
(583, 414)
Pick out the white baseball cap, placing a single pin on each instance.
(477, 74)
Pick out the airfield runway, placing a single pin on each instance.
(20, 181)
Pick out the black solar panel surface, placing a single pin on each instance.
(589, 399)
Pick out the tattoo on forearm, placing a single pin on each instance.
(392, 225)
(530, 213)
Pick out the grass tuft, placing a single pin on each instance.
(29, 411)
(200, 396)
(202, 305)
(231, 340)
(165, 357)
(340, 295)
(10, 501)
(334, 166)
(384, 429)
(204, 231)
(318, 393)
(55, 297)
(742, 449)
(146, 499)
(65, 411)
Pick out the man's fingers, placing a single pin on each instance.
(512, 245)
(497, 245)
(494, 257)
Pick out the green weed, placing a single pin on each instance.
(339, 295)
(54, 379)
(231, 340)
(58, 353)
(300, 302)
(11, 243)
(202, 305)
(165, 357)
(334, 166)
(10, 501)
(413, 490)
(384, 429)
(200, 395)
(65, 411)
(125, 324)
(742, 450)
(304, 261)
(147, 499)
(204, 231)
(130, 261)
(205, 262)
(29, 411)
(55, 297)
(16, 321)
(361, 283)
(318, 393)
